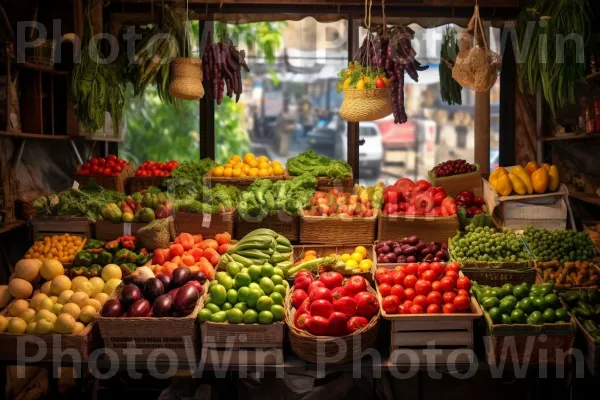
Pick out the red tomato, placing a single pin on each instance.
(434, 309)
(422, 268)
(437, 267)
(380, 271)
(449, 309)
(84, 172)
(332, 279)
(303, 321)
(434, 298)
(447, 284)
(86, 165)
(345, 305)
(356, 323)
(390, 304)
(398, 291)
(101, 161)
(422, 287)
(110, 164)
(410, 281)
(429, 275)
(117, 169)
(337, 324)
(107, 172)
(412, 268)
(320, 293)
(355, 284)
(453, 266)
(398, 277)
(453, 275)
(402, 309)
(462, 292)
(313, 286)
(111, 157)
(303, 281)
(385, 289)
(386, 278)
(421, 300)
(463, 283)
(437, 286)
(318, 325)
(379, 83)
(299, 274)
(94, 161)
(407, 305)
(402, 268)
(409, 294)
(366, 304)
(448, 297)
(321, 308)
(461, 303)
(416, 309)
(338, 292)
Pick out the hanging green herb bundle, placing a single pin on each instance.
(555, 33)
(450, 90)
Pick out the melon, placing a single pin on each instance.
(28, 269)
(20, 288)
(5, 296)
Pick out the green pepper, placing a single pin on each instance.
(94, 270)
(590, 325)
(83, 258)
(95, 258)
(77, 271)
(137, 197)
(93, 244)
(142, 259)
(593, 295)
(587, 306)
(121, 256)
(131, 257)
(127, 268)
(571, 297)
(105, 258)
(581, 312)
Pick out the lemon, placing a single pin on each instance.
(30, 327)
(101, 297)
(28, 315)
(65, 323)
(16, 325)
(111, 285)
(365, 265)
(351, 264)
(17, 307)
(45, 315)
(65, 296)
(3, 323)
(80, 298)
(56, 308)
(46, 288)
(60, 284)
(87, 314)
(345, 257)
(43, 327)
(361, 250)
(71, 308)
(95, 303)
(45, 304)
(357, 257)
(111, 271)
(79, 327)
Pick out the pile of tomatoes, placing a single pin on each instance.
(328, 306)
(100, 166)
(418, 288)
(156, 168)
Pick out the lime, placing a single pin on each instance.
(490, 303)
(510, 297)
(204, 315)
(254, 272)
(496, 293)
(506, 307)
(549, 316)
(266, 284)
(552, 300)
(227, 282)
(250, 316)
(241, 306)
(232, 295)
(264, 303)
(278, 312)
(527, 305)
(212, 307)
(226, 306)
(546, 289)
(561, 315)
(507, 288)
(235, 316)
(241, 280)
(279, 272)
(277, 280)
(220, 275)
(253, 297)
(277, 298)
(521, 291)
(539, 303)
(518, 317)
(535, 318)
(286, 284)
(244, 270)
(254, 285)
(242, 294)
(495, 315)
(265, 317)
(500, 292)
(208, 300)
(267, 270)
(506, 319)
(519, 305)
(218, 294)
(279, 289)
(233, 268)
(213, 283)
(220, 316)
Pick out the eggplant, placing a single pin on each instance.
(384, 249)
(197, 285)
(425, 251)
(180, 277)
(162, 305)
(411, 259)
(112, 309)
(413, 240)
(165, 279)
(434, 248)
(130, 294)
(185, 300)
(140, 308)
(429, 258)
(198, 276)
(134, 280)
(420, 246)
(153, 288)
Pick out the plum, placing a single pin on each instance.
(384, 249)
(401, 259)
(397, 251)
(390, 243)
(413, 240)
(404, 240)
(411, 259)
(429, 258)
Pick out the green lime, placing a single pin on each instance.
(233, 268)
(561, 315)
(279, 289)
(212, 307)
(220, 275)
(227, 282)
(511, 298)
(208, 299)
(220, 316)
(278, 312)
(241, 306)
(535, 318)
(279, 272)
(242, 280)
(232, 296)
(226, 306)
(266, 284)
(267, 270)
(286, 284)
(213, 283)
(519, 305)
(500, 292)
(277, 298)
(507, 288)
(253, 297)
(518, 316)
(264, 303)
(546, 289)
(521, 291)
(527, 305)
(552, 300)
(242, 294)
(496, 293)
(506, 319)
(254, 285)
(218, 294)
(235, 316)
(204, 315)
(495, 315)
(539, 303)
(490, 303)
(244, 271)
(265, 317)
(506, 307)
(277, 280)
(250, 316)
(254, 272)
(549, 316)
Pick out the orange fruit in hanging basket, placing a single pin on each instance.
(186, 79)
(366, 105)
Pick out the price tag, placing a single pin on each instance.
(206, 220)
(75, 185)
(127, 228)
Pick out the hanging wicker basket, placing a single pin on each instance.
(186, 79)
(366, 105)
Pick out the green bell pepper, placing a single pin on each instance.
(83, 258)
(93, 244)
(105, 258)
(94, 270)
(121, 256)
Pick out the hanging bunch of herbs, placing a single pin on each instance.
(450, 90)
(160, 43)
(97, 86)
(554, 33)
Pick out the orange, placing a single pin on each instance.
(236, 158)
(361, 250)
(262, 159)
(263, 165)
(253, 164)
(263, 172)
(357, 257)
(249, 157)
(253, 172)
(236, 172)
(228, 165)
(246, 169)
(227, 172)
(278, 170)
(218, 171)
(270, 169)
(274, 163)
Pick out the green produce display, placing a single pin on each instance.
(585, 306)
(249, 287)
(314, 164)
(521, 304)
(561, 245)
(265, 197)
(487, 244)
(192, 172)
(216, 200)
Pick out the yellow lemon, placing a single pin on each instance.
(364, 266)
(65, 296)
(345, 257)
(80, 298)
(79, 327)
(30, 328)
(228, 172)
(218, 171)
(3, 323)
(72, 309)
(236, 158)
(17, 307)
(357, 257)
(249, 157)
(361, 250)
(87, 314)
(351, 264)
(16, 325)
(101, 297)
(347, 83)
(28, 315)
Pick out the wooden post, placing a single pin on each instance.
(482, 131)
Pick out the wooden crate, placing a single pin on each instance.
(106, 230)
(205, 224)
(140, 183)
(429, 229)
(337, 231)
(591, 349)
(455, 184)
(225, 335)
(325, 184)
(116, 183)
(282, 223)
(594, 235)
(242, 357)
(46, 225)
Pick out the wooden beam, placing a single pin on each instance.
(390, 3)
(482, 126)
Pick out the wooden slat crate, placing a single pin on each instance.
(45, 225)
(248, 357)
(455, 184)
(207, 226)
(224, 335)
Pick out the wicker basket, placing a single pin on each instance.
(325, 250)
(149, 334)
(116, 183)
(43, 54)
(366, 105)
(106, 230)
(336, 231)
(186, 79)
(455, 184)
(240, 182)
(282, 223)
(140, 183)
(429, 229)
(205, 224)
(326, 349)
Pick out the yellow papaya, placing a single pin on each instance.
(554, 179)
(503, 185)
(531, 167)
(521, 173)
(517, 184)
(540, 180)
(495, 174)
(546, 166)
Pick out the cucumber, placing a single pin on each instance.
(280, 257)
(262, 231)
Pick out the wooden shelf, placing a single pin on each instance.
(58, 137)
(98, 139)
(12, 225)
(593, 77)
(586, 197)
(579, 136)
